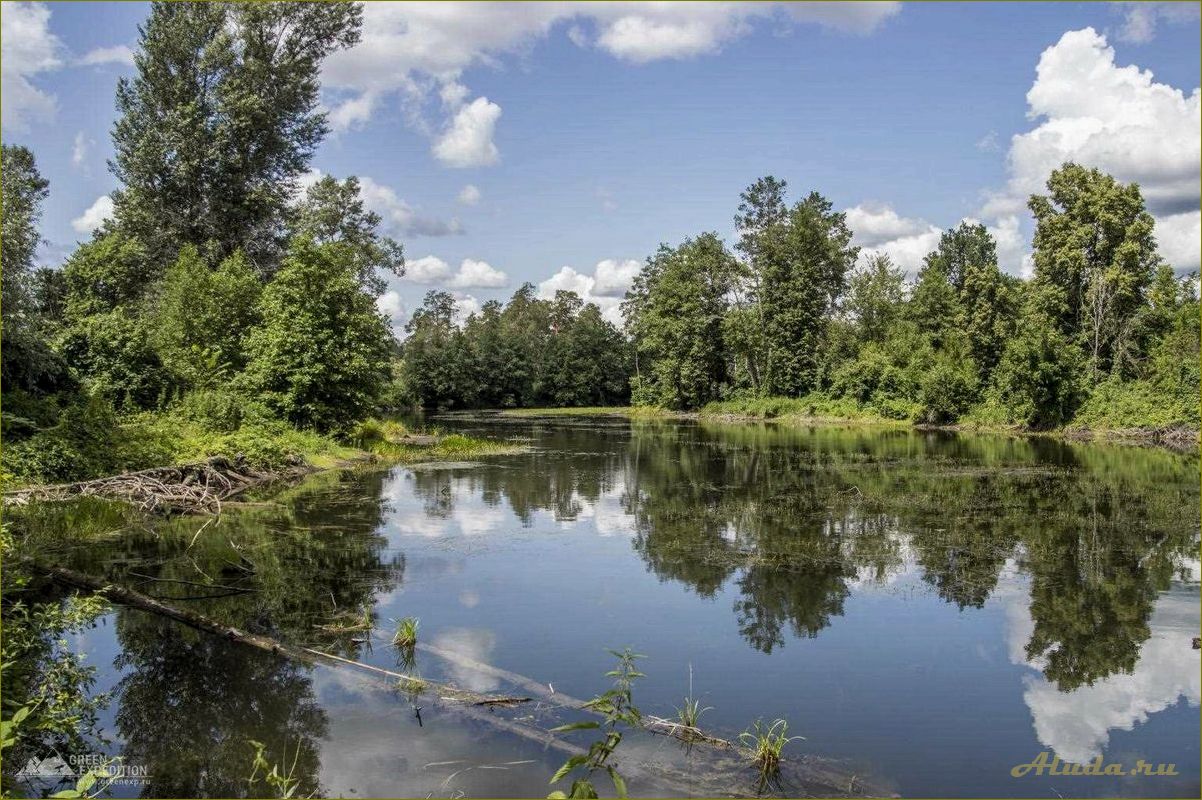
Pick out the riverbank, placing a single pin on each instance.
(824, 411)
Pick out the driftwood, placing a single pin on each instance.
(807, 775)
(185, 488)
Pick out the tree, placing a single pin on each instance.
(320, 358)
(26, 362)
(203, 316)
(1094, 246)
(333, 211)
(803, 263)
(431, 368)
(113, 271)
(875, 297)
(220, 120)
(675, 310)
(761, 206)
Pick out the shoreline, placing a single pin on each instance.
(1180, 438)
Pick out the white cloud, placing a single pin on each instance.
(428, 270)
(79, 149)
(467, 142)
(1140, 19)
(391, 306)
(1178, 236)
(465, 306)
(478, 274)
(415, 49)
(605, 287)
(469, 195)
(880, 229)
(94, 216)
(1117, 119)
(399, 217)
(117, 54)
(989, 142)
(472, 273)
(27, 48)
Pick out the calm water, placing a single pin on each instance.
(927, 609)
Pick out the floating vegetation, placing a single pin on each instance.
(349, 621)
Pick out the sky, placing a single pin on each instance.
(560, 143)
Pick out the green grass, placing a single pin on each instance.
(406, 633)
(690, 713)
(816, 406)
(764, 745)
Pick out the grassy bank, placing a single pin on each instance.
(1133, 416)
(91, 442)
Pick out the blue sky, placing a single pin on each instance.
(592, 132)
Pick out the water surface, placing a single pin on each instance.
(927, 609)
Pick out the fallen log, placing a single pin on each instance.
(812, 775)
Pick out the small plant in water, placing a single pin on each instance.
(690, 713)
(618, 709)
(765, 745)
(281, 784)
(406, 633)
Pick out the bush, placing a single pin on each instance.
(1118, 404)
(1039, 379)
(213, 409)
(81, 445)
(947, 391)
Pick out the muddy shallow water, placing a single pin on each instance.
(927, 609)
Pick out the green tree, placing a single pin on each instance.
(203, 316)
(333, 211)
(675, 310)
(803, 263)
(320, 358)
(875, 297)
(26, 363)
(1094, 246)
(432, 367)
(220, 120)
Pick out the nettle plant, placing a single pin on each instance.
(618, 709)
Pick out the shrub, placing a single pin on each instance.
(214, 409)
(947, 391)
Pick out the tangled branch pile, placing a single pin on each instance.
(184, 488)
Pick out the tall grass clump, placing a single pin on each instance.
(765, 745)
(406, 633)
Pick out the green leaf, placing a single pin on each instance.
(619, 783)
(567, 767)
(86, 782)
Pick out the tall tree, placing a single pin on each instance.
(675, 310)
(333, 211)
(803, 261)
(220, 120)
(1095, 249)
(25, 361)
(875, 296)
(761, 206)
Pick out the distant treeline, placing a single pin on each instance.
(1103, 334)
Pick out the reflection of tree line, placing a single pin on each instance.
(189, 702)
(795, 516)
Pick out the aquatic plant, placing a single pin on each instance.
(406, 633)
(765, 745)
(282, 784)
(618, 708)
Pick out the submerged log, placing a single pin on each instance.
(724, 774)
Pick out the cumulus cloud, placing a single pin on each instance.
(469, 195)
(428, 270)
(465, 306)
(391, 306)
(94, 216)
(467, 142)
(415, 50)
(472, 273)
(1178, 236)
(1141, 19)
(478, 274)
(880, 229)
(117, 54)
(1119, 119)
(399, 217)
(605, 287)
(27, 48)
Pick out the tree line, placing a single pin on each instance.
(1103, 332)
